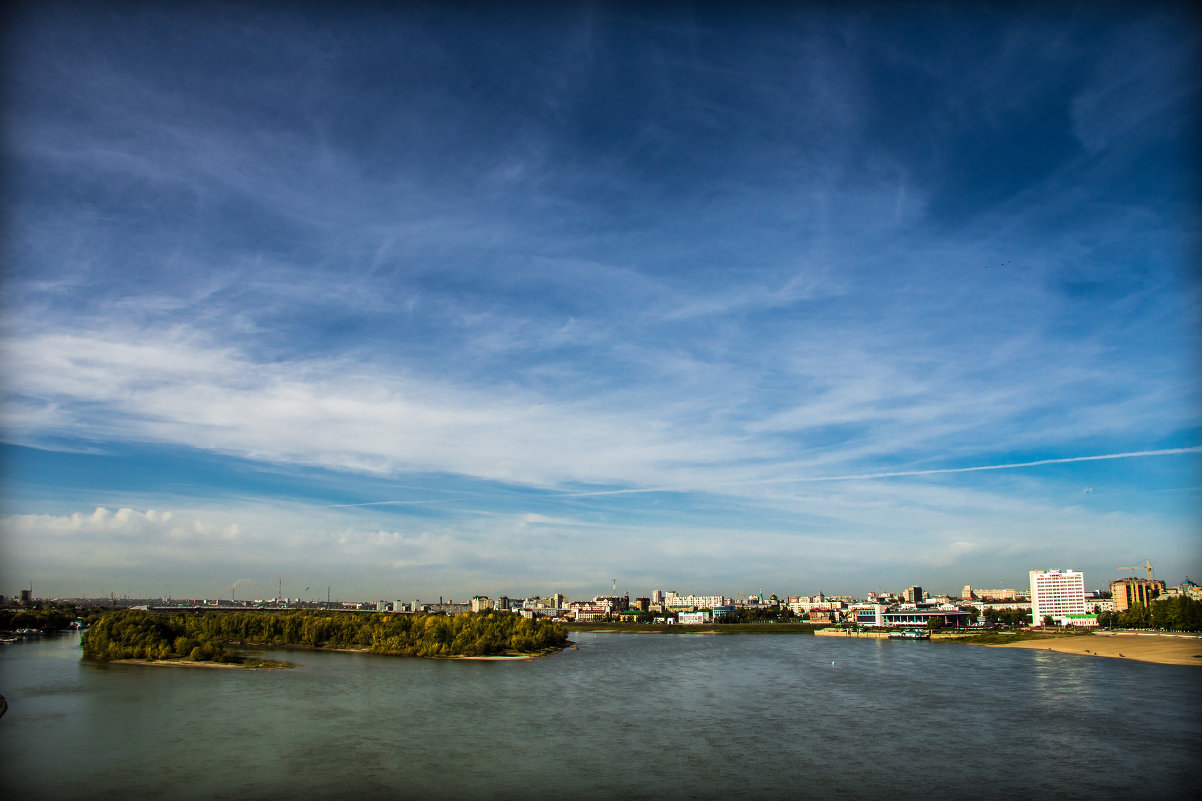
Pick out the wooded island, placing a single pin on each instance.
(202, 636)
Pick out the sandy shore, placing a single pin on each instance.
(1163, 649)
(186, 664)
(172, 663)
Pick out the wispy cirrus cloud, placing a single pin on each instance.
(833, 282)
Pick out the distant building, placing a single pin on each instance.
(674, 601)
(871, 614)
(642, 604)
(481, 603)
(913, 595)
(1098, 601)
(588, 614)
(657, 597)
(907, 615)
(966, 593)
(725, 610)
(823, 614)
(1131, 591)
(612, 603)
(1056, 593)
(693, 618)
(912, 615)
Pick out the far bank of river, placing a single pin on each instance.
(1154, 647)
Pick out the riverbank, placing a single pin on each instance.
(1161, 649)
(693, 628)
(483, 658)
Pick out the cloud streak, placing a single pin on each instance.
(908, 473)
(707, 275)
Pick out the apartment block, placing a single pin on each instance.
(1055, 594)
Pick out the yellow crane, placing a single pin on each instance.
(1147, 565)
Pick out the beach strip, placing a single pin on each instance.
(1162, 649)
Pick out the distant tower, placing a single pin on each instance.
(615, 592)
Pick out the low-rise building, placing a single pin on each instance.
(723, 611)
(1001, 594)
(921, 615)
(908, 615)
(588, 614)
(823, 614)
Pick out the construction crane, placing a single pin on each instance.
(1147, 565)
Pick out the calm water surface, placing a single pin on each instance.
(623, 716)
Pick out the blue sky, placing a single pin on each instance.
(447, 301)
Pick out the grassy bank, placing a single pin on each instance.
(1010, 637)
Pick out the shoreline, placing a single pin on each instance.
(179, 663)
(1160, 649)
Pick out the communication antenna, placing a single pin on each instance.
(615, 586)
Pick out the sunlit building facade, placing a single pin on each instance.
(1128, 592)
(1055, 594)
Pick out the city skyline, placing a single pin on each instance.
(450, 299)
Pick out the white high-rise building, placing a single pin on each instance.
(1056, 593)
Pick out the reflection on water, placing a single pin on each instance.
(624, 716)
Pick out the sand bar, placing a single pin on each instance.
(1163, 649)
(179, 663)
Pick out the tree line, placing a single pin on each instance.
(48, 617)
(202, 636)
(1171, 614)
(1007, 617)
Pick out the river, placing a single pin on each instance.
(622, 716)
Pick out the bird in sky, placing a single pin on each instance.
(1088, 491)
